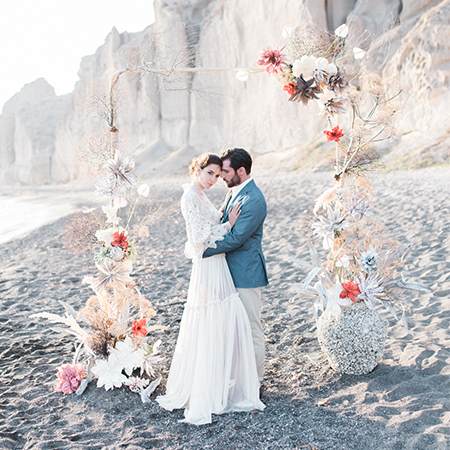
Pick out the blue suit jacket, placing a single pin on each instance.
(242, 244)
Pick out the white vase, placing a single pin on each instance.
(353, 342)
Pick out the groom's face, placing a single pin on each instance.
(229, 175)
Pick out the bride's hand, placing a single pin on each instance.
(234, 214)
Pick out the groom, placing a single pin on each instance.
(242, 244)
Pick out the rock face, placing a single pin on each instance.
(166, 120)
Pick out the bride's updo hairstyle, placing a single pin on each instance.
(202, 161)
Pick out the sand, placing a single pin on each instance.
(403, 404)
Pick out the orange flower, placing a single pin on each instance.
(334, 135)
(120, 240)
(289, 88)
(351, 290)
(138, 328)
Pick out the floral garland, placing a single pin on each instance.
(112, 327)
(361, 265)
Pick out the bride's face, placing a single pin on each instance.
(208, 176)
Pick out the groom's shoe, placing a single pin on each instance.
(261, 391)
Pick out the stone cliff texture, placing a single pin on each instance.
(168, 120)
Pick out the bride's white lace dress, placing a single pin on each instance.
(213, 370)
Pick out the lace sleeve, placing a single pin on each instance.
(197, 228)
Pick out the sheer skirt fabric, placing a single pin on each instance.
(213, 370)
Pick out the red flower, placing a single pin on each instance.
(138, 328)
(289, 88)
(272, 59)
(334, 135)
(120, 240)
(351, 290)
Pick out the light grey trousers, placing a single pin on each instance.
(251, 299)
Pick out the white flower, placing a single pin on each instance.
(358, 53)
(144, 190)
(342, 261)
(120, 202)
(341, 31)
(137, 384)
(87, 210)
(334, 302)
(105, 236)
(109, 372)
(328, 243)
(111, 213)
(242, 75)
(287, 32)
(129, 356)
(305, 65)
(325, 97)
(323, 65)
(117, 253)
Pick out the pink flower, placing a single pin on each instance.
(138, 328)
(70, 376)
(351, 290)
(272, 59)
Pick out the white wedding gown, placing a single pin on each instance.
(213, 370)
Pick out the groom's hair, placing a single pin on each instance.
(238, 158)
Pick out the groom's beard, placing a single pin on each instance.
(235, 181)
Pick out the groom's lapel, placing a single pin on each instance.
(241, 194)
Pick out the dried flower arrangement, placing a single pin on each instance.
(111, 329)
(361, 265)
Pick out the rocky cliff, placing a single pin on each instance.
(168, 120)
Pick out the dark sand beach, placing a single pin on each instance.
(403, 404)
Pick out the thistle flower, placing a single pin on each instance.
(337, 83)
(335, 134)
(305, 91)
(350, 290)
(335, 221)
(370, 288)
(369, 261)
(353, 203)
(271, 59)
(69, 378)
(113, 273)
(333, 106)
(121, 171)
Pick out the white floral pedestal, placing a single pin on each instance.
(353, 342)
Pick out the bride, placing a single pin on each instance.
(213, 370)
